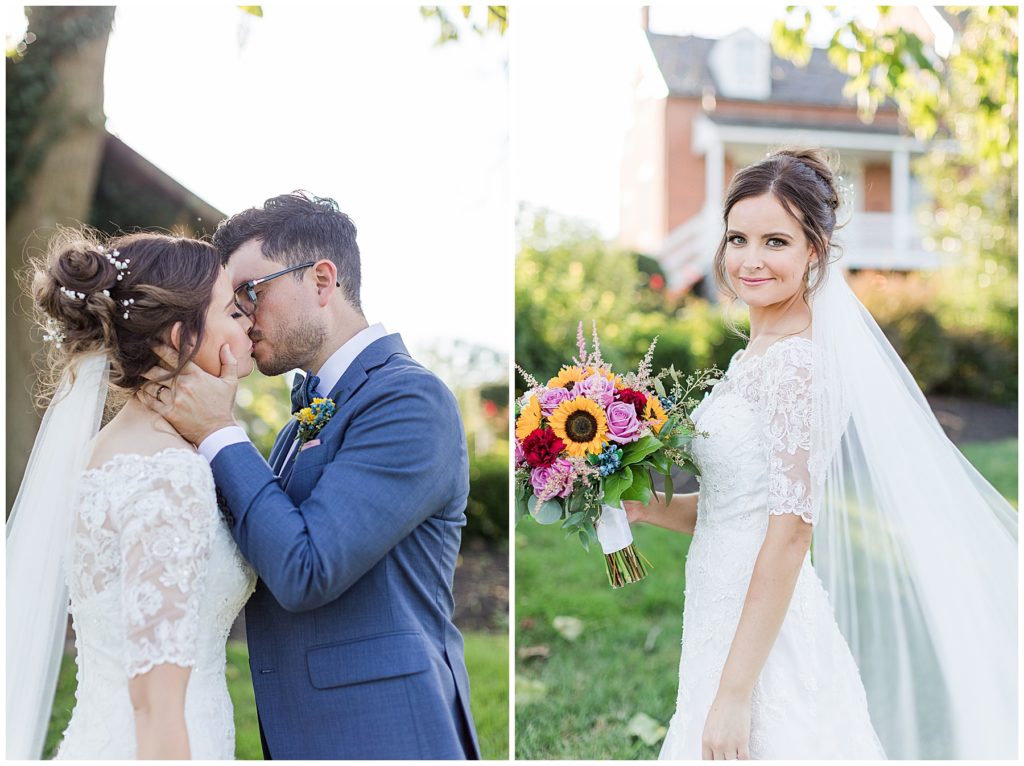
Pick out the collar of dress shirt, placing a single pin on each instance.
(340, 360)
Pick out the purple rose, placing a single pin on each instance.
(596, 387)
(623, 426)
(520, 455)
(550, 398)
(555, 480)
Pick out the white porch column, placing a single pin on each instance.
(714, 191)
(901, 203)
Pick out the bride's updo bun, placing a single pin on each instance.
(120, 296)
(804, 182)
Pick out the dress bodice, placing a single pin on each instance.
(154, 577)
(755, 454)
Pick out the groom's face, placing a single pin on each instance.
(288, 328)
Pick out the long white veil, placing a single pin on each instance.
(917, 550)
(38, 538)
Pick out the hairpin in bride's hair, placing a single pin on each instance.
(112, 257)
(54, 332)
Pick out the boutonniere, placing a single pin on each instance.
(312, 419)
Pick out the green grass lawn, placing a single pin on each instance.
(486, 659)
(578, 701)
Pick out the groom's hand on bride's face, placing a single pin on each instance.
(196, 403)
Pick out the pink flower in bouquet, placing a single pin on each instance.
(637, 398)
(596, 387)
(520, 455)
(550, 399)
(623, 425)
(555, 480)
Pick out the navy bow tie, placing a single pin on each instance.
(304, 390)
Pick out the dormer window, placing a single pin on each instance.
(741, 66)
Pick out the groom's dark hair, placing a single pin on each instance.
(296, 228)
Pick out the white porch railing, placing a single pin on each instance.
(869, 241)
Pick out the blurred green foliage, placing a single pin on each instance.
(479, 19)
(946, 351)
(487, 508)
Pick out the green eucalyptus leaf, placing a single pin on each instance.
(573, 520)
(547, 512)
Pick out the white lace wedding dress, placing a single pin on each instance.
(155, 577)
(808, 701)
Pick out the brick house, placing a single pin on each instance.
(704, 107)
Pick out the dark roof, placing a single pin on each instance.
(683, 62)
(131, 192)
(759, 121)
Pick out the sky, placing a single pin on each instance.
(354, 103)
(572, 74)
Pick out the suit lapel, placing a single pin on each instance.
(372, 357)
(284, 446)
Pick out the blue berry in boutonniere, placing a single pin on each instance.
(312, 419)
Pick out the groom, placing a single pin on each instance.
(354, 529)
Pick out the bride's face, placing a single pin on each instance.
(225, 324)
(766, 252)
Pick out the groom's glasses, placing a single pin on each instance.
(245, 294)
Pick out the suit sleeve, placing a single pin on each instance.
(397, 466)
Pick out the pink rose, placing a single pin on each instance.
(555, 480)
(596, 387)
(550, 398)
(623, 425)
(520, 455)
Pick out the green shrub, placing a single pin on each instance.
(487, 508)
(946, 352)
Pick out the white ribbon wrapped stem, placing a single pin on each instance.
(613, 530)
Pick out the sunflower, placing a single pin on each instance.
(580, 423)
(529, 419)
(654, 413)
(565, 377)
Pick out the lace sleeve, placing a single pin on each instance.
(165, 536)
(788, 433)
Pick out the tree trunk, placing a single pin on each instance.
(59, 192)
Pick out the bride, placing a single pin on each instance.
(129, 514)
(900, 639)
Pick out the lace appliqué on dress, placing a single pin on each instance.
(787, 404)
(150, 531)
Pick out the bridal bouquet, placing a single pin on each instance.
(590, 438)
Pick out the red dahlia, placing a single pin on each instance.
(542, 447)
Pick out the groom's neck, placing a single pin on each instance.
(339, 332)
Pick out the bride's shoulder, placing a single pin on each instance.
(117, 446)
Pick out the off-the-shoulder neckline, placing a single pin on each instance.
(743, 352)
(128, 457)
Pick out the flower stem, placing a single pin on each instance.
(626, 566)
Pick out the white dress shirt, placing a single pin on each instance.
(329, 375)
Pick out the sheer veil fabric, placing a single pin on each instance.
(917, 551)
(38, 537)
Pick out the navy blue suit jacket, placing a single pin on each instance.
(351, 642)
